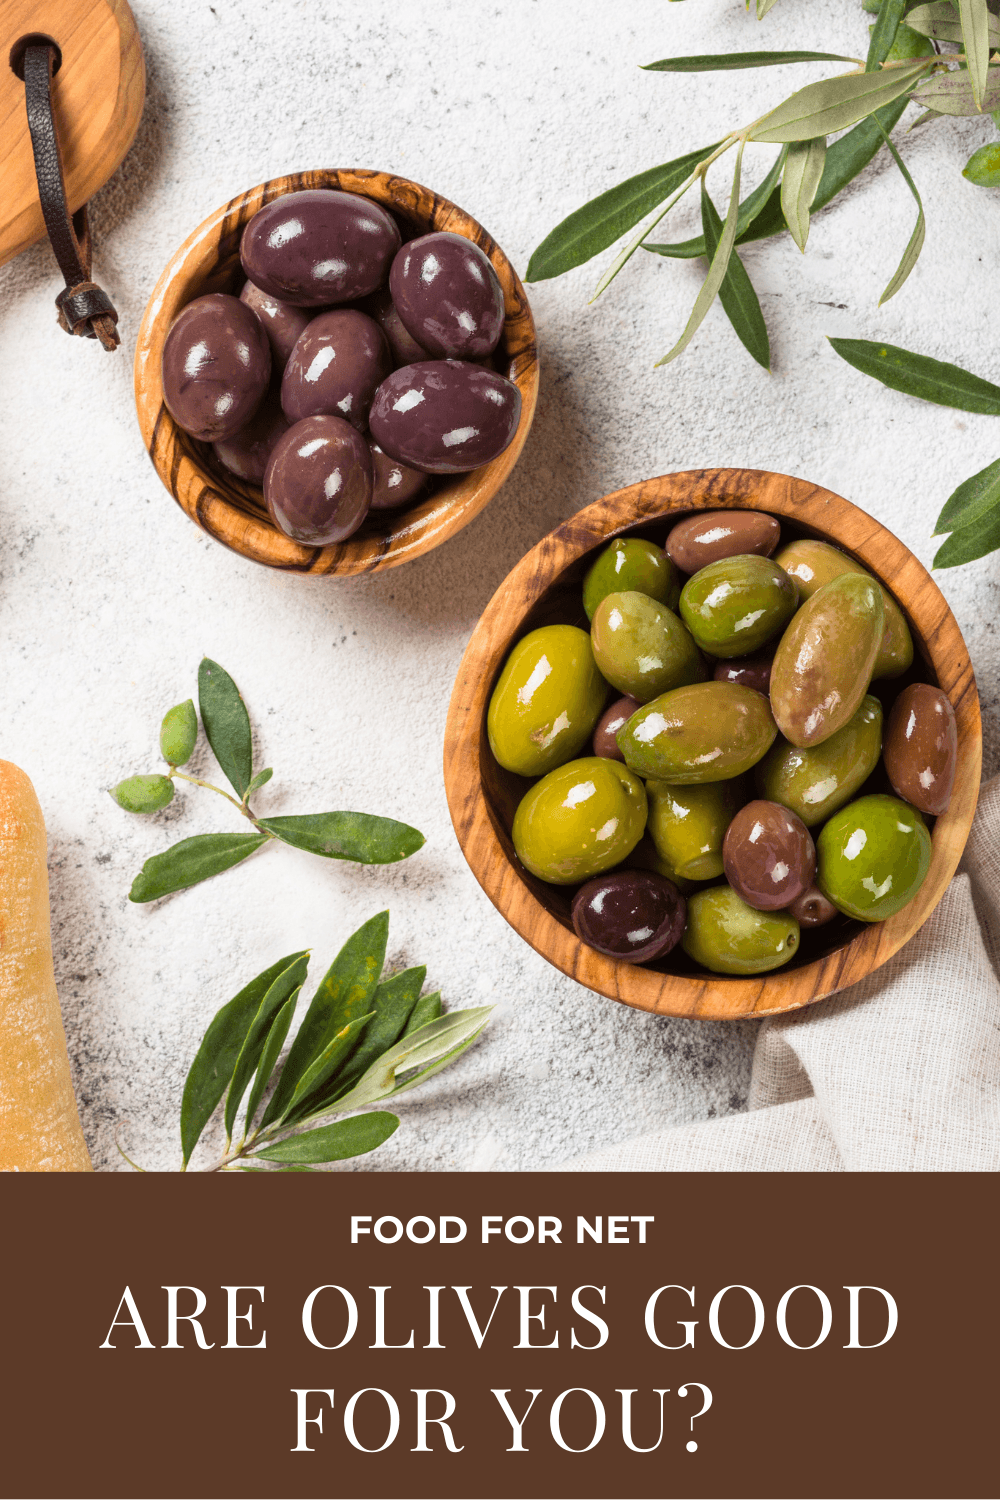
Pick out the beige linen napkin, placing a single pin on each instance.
(900, 1073)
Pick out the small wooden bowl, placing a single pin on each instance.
(544, 589)
(234, 512)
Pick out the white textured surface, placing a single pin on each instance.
(109, 596)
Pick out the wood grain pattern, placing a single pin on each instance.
(233, 512)
(545, 588)
(97, 98)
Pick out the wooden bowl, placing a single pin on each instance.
(234, 512)
(544, 589)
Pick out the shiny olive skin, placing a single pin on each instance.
(404, 348)
(318, 481)
(713, 534)
(447, 295)
(824, 660)
(281, 321)
(736, 605)
(726, 935)
(813, 563)
(246, 453)
(646, 856)
(629, 914)
(872, 857)
(336, 367)
(216, 367)
(769, 856)
(642, 648)
(579, 820)
(631, 565)
(547, 701)
(688, 824)
(812, 908)
(815, 781)
(445, 416)
(710, 731)
(747, 671)
(394, 483)
(319, 247)
(921, 748)
(614, 717)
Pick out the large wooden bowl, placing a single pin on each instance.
(544, 588)
(234, 512)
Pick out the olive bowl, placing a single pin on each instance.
(544, 589)
(234, 512)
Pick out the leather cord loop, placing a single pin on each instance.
(83, 307)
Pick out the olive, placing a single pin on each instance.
(579, 820)
(872, 857)
(281, 321)
(445, 416)
(688, 824)
(646, 856)
(813, 563)
(631, 565)
(748, 671)
(612, 719)
(714, 534)
(642, 648)
(336, 367)
(246, 453)
(921, 748)
(394, 483)
(769, 856)
(547, 701)
(319, 247)
(726, 935)
(216, 367)
(318, 481)
(710, 731)
(630, 914)
(405, 349)
(824, 660)
(447, 294)
(812, 909)
(732, 607)
(815, 781)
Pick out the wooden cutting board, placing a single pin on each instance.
(97, 97)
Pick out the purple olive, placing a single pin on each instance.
(394, 483)
(445, 416)
(319, 247)
(405, 349)
(750, 671)
(246, 453)
(630, 914)
(812, 908)
(281, 321)
(608, 725)
(336, 367)
(318, 483)
(768, 855)
(216, 367)
(448, 296)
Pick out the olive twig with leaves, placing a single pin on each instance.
(360, 837)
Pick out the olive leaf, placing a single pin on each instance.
(284, 987)
(751, 206)
(227, 724)
(312, 1085)
(803, 173)
(361, 837)
(427, 1008)
(438, 1066)
(951, 93)
(721, 61)
(416, 1049)
(916, 240)
(717, 268)
(394, 1003)
(337, 1142)
(738, 298)
(192, 860)
(890, 13)
(763, 6)
(975, 20)
(972, 502)
(941, 22)
(270, 1054)
(834, 103)
(970, 542)
(917, 375)
(261, 779)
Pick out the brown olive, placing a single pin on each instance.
(748, 671)
(812, 908)
(630, 914)
(614, 718)
(713, 534)
(769, 856)
(920, 748)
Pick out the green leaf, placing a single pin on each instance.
(717, 268)
(269, 1056)
(803, 172)
(227, 724)
(216, 1057)
(738, 298)
(261, 779)
(437, 1067)
(970, 543)
(983, 166)
(344, 995)
(179, 734)
(976, 38)
(337, 1142)
(427, 1008)
(890, 13)
(917, 375)
(394, 1003)
(722, 61)
(951, 94)
(284, 987)
(314, 1081)
(916, 240)
(416, 1049)
(974, 499)
(266, 1171)
(833, 104)
(143, 794)
(941, 22)
(591, 229)
(749, 209)
(763, 6)
(191, 861)
(361, 837)
(908, 45)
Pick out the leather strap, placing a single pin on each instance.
(83, 307)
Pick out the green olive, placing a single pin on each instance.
(549, 698)
(646, 856)
(710, 731)
(735, 605)
(631, 565)
(727, 936)
(813, 563)
(824, 660)
(815, 781)
(642, 648)
(688, 823)
(872, 857)
(579, 820)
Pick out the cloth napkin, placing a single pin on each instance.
(900, 1073)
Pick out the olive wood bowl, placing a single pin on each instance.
(543, 589)
(234, 512)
